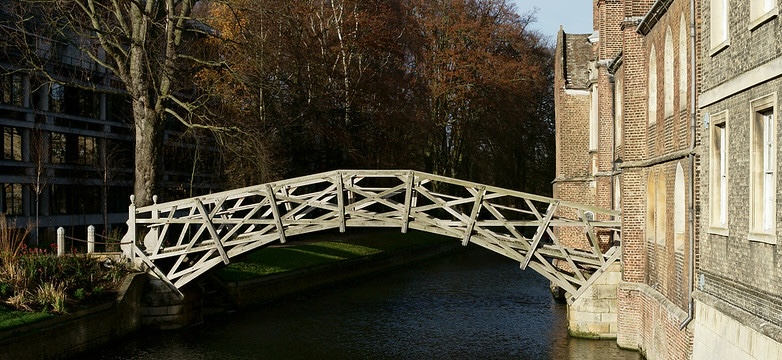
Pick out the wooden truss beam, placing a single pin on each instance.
(202, 232)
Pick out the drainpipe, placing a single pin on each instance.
(693, 94)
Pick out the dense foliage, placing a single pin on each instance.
(454, 87)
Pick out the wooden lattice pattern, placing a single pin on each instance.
(183, 239)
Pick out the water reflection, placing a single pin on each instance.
(473, 305)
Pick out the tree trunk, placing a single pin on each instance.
(148, 146)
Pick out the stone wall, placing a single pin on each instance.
(593, 315)
(727, 333)
(72, 334)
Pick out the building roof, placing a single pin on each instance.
(577, 53)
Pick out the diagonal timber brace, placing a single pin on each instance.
(508, 222)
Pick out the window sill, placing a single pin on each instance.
(718, 49)
(767, 238)
(762, 19)
(718, 231)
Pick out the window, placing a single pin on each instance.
(58, 203)
(668, 74)
(57, 147)
(11, 90)
(12, 144)
(718, 174)
(661, 210)
(719, 25)
(57, 98)
(652, 112)
(761, 11)
(651, 203)
(679, 205)
(12, 199)
(683, 63)
(88, 152)
(763, 170)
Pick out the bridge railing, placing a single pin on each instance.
(566, 242)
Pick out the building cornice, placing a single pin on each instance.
(768, 71)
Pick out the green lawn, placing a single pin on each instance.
(278, 259)
(12, 318)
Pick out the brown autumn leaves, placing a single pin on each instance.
(454, 87)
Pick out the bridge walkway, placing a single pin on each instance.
(181, 240)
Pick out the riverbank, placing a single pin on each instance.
(70, 335)
(381, 251)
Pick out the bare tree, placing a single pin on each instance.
(147, 45)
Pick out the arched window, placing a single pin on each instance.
(651, 203)
(679, 201)
(660, 210)
(683, 63)
(652, 112)
(668, 77)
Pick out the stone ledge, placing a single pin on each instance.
(743, 317)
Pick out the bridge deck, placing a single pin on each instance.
(183, 239)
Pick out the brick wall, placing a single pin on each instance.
(649, 318)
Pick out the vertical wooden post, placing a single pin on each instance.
(275, 212)
(90, 239)
(60, 241)
(476, 209)
(408, 201)
(340, 201)
(128, 242)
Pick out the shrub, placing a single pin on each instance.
(33, 279)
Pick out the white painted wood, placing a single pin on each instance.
(196, 234)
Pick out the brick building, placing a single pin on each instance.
(738, 293)
(694, 86)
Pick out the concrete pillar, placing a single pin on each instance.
(90, 239)
(60, 241)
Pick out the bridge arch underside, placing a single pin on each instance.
(185, 238)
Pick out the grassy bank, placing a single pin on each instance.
(12, 318)
(315, 250)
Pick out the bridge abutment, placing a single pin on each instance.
(593, 315)
(163, 309)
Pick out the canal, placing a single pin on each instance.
(470, 305)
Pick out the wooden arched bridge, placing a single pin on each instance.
(183, 239)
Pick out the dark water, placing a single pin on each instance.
(472, 305)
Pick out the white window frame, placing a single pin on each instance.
(763, 170)
(719, 26)
(718, 174)
(761, 11)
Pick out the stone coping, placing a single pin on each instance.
(743, 317)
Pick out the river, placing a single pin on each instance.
(471, 305)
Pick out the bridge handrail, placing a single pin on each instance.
(204, 231)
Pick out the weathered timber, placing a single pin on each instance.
(185, 238)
